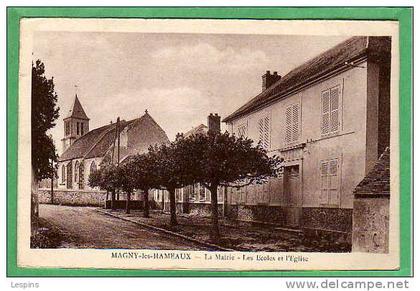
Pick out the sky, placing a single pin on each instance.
(178, 78)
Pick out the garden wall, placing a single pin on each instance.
(72, 197)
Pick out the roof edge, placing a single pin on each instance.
(301, 86)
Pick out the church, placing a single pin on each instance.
(84, 150)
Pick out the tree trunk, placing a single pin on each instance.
(214, 234)
(146, 203)
(172, 205)
(127, 205)
(113, 200)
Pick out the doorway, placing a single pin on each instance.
(292, 195)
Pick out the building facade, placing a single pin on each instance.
(194, 199)
(87, 150)
(329, 119)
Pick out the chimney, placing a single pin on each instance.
(269, 79)
(213, 122)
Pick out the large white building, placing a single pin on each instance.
(330, 120)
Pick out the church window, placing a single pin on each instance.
(93, 167)
(76, 172)
(77, 128)
(67, 128)
(81, 128)
(63, 174)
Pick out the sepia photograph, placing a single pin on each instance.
(198, 144)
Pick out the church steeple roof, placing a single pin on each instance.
(77, 110)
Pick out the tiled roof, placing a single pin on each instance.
(325, 63)
(196, 130)
(77, 110)
(98, 141)
(377, 182)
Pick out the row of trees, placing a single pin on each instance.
(213, 160)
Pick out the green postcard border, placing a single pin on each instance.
(402, 14)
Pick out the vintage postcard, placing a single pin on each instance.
(208, 144)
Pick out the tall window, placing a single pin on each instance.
(63, 174)
(202, 192)
(330, 120)
(292, 123)
(81, 128)
(77, 128)
(67, 128)
(264, 132)
(330, 182)
(76, 172)
(92, 167)
(81, 175)
(178, 194)
(191, 193)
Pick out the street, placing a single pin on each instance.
(84, 227)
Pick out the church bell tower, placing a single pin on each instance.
(76, 124)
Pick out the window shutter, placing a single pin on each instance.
(295, 120)
(334, 109)
(288, 133)
(242, 130)
(267, 132)
(325, 106)
(261, 131)
(334, 186)
(324, 182)
(264, 132)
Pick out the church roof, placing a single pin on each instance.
(98, 141)
(325, 64)
(77, 110)
(377, 181)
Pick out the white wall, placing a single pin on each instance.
(348, 145)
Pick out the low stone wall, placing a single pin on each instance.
(203, 209)
(371, 224)
(313, 221)
(122, 204)
(259, 213)
(73, 197)
(195, 208)
(331, 224)
(328, 219)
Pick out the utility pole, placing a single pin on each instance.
(118, 141)
(118, 149)
(52, 182)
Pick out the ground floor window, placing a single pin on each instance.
(63, 174)
(178, 194)
(329, 170)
